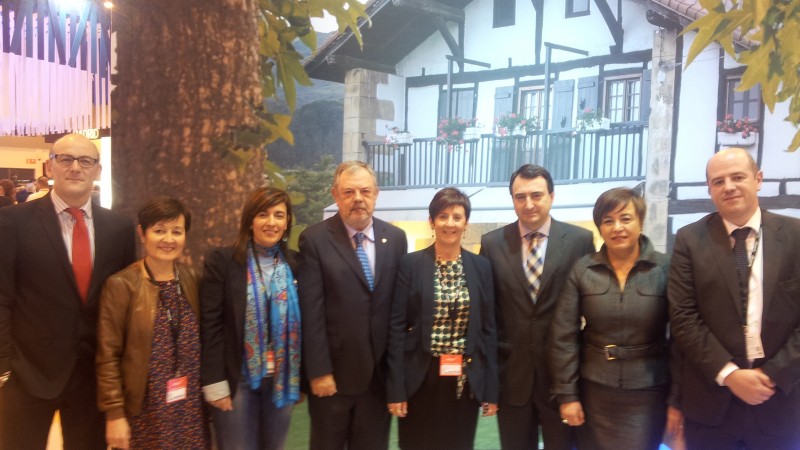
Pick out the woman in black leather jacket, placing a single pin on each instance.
(609, 353)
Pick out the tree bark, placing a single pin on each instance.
(187, 73)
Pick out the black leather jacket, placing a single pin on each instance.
(624, 343)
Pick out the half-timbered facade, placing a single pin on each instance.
(425, 60)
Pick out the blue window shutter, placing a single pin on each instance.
(562, 105)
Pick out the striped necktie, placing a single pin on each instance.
(534, 263)
(362, 258)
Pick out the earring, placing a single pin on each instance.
(284, 239)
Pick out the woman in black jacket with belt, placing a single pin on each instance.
(443, 342)
(609, 353)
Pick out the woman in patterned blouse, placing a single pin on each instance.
(148, 355)
(442, 353)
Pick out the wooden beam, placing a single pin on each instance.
(430, 7)
(349, 62)
(530, 70)
(538, 5)
(614, 26)
(455, 49)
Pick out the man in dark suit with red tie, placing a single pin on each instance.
(525, 302)
(56, 253)
(346, 283)
(734, 293)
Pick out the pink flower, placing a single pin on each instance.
(454, 133)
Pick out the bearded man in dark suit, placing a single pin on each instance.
(734, 293)
(524, 313)
(49, 288)
(346, 283)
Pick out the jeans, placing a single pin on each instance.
(254, 423)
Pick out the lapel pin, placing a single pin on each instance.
(383, 240)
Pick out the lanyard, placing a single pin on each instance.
(745, 289)
(268, 301)
(173, 322)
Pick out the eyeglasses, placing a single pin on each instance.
(66, 160)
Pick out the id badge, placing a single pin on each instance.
(755, 349)
(270, 362)
(176, 389)
(450, 365)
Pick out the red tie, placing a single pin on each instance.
(81, 253)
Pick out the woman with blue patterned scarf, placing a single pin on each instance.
(251, 328)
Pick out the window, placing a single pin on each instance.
(623, 102)
(462, 101)
(740, 105)
(504, 12)
(531, 102)
(577, 8)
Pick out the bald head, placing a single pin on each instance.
(74, 141)
(733, 184)
(732, 153)
(74, 167)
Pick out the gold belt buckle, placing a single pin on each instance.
(608, 355)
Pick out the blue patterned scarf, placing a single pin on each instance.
(279, 294)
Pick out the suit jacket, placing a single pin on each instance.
(223, 302)
(522, 327)
(345, 326)
(409, 354)
(44, 325)
(706, 318)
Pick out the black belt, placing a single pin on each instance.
(613, 352)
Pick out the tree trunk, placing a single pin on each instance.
(187, 73)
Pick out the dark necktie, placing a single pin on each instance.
(363, 259)
(534, 263)
(81, 253)
(740, 252)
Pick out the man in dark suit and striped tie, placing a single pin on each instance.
(531, 259)
(56, 253)
(346, 285)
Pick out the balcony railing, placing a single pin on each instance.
(571, 157)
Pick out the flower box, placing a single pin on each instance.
(404, 138)
(600, 124)
(472, 133)
(735, 138)
(519, 130)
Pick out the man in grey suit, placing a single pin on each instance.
(346, 283)
(56, 252)
(734, 294)
(530, 259)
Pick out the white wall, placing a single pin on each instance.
(395, 92)
(423, 107)
(697, 117)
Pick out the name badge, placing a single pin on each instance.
(270, 362)
(450, 365)
(176, 389)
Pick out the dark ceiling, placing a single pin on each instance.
(394, 33)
